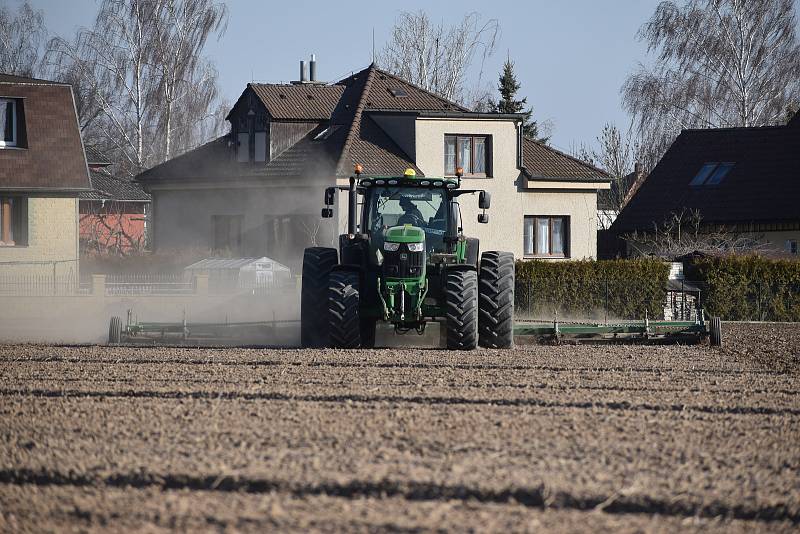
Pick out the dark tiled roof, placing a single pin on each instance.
(298, 102)
(106, 186)
(94, 157)
(546, 163)
(12, 78)
(762, 186)
(347, 135)
(50, 153)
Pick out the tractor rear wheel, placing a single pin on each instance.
(461, 297)
(496, 300)
(344, 324)
(368, 327)
(317, 265)
(115, 331)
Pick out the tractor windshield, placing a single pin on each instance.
(396, 206)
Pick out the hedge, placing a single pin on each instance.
(749, 287)
(622, 289)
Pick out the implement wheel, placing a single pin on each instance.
(461, 296)
(715, 332)
(496, 300)
(344, 323)
(115, 331)
(317, 265)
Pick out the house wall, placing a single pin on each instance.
(52, 237)
(512, 198)
(183, 218)
(115, 225)
(778, 239)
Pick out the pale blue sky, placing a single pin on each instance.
(571, 57)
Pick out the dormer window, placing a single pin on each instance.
(8, 122)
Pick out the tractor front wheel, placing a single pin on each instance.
(344, 324)
(496, 300)
(317, 265)
(461, 297)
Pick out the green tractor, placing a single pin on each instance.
(406, 263)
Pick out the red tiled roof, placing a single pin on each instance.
(545, 162)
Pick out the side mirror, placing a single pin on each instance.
(330, 194)
(327, 213)
(483, 218)
(484, 200)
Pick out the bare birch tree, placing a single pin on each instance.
(21, 39)
(187, 82)
(718, 63)
(436, 57)
(144, 91)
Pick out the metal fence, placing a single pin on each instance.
(149, 284)
(40, 285)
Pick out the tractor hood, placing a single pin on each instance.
(404, 234)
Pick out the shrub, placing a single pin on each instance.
(749, 287)
(583, 289)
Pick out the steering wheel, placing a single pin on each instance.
(411, 218)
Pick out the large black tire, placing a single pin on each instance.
(496, 300)
(715, 332)
(317, 265)
(115, 331)
(368, 333)
(344, 318)
(461, 297)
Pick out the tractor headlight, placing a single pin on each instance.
(416, 247)
(390, 247)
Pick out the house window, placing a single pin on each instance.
(546, 236)
(8, 122)
(228, 233)
(243, 147)
(13, 221)
(791, 246)
(261, 146)
(470, 152)
(711, 173)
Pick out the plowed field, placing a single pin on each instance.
(554, 438)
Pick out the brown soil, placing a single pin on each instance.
(554, 438)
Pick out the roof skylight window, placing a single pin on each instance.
(711, 173)
(398, 92)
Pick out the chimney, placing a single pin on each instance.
(302, 71)
(312, 69)
(637, 169)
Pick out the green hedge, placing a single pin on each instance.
(623, 289)
(749, 287)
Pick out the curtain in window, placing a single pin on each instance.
(542, 236)
(527, 236)
(558, 236)
(6, 121)
(480, 156)
(450, 155)
(465, 153)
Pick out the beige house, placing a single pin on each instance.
(258, 190)
(42, 171)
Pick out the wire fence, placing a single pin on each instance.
(148, 284)
(39, 285)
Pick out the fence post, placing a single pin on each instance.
(99, 285)
(201, 284)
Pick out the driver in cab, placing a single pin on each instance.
(411, 215)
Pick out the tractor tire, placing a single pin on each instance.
(473, 251)
(115, 331)
(496, 300)
(461, 297)
(368, 333)
(715, 332)
(344, 324)
(317, 265)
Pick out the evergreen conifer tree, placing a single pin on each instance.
(508, 103)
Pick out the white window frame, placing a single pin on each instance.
(13, 142)
(565, 229)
